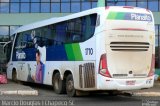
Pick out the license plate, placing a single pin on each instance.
(130, 82)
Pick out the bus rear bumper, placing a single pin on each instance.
(104, 83)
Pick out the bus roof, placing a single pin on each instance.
(75, 15)
(54, 20)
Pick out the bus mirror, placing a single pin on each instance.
(5, 46)
(7, 50)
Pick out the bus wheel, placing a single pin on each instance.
(70, 86)
(58, 84)
(14, 76)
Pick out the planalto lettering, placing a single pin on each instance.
(20, 55)
(141, 17)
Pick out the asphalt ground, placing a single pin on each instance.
(47, 97)
(13, 88)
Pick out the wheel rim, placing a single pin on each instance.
(70, 86)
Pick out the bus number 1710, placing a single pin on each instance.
(89, 51)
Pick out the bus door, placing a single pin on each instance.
(21, 61)
(21, 64)
(21, 70)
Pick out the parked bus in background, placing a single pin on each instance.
(101, 49)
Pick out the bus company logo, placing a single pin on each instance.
(141, 17)
(20, 55)
(129, 16)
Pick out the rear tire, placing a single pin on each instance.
(58, 84)
(14, 76)
(70, 86)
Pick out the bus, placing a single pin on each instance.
(101, 49)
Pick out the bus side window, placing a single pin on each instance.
(49, 42)
(89, 24)
(74, 31)
(30, 43)
(18, 41)
(76, 38)
(27, 41)
(60, 36)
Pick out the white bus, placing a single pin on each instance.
(101, 49)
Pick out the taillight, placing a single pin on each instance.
(103, 69)
(151, 72)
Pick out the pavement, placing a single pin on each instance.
(154, 91)
(13, 88)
